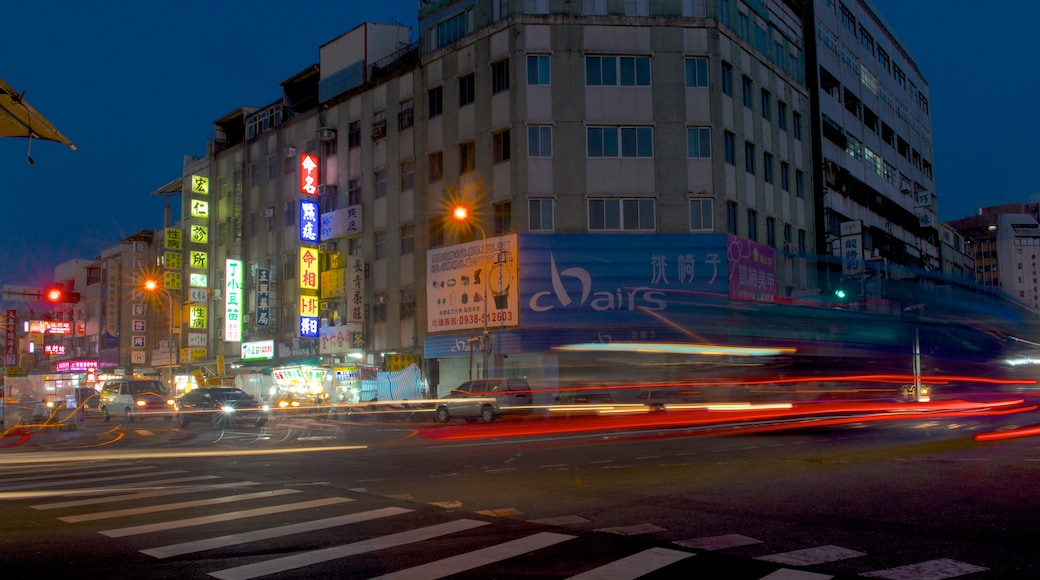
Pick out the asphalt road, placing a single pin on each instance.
(911, 498)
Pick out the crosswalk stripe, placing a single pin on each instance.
(269, 533)
(635, 565)
(162, 481)
(141, 485)
(78, 482)
(930, 570)
(317, 556)
(140, 495)
(477, 558)
(789, 574)
(224, 517)
(38, 477)
(65, 467)
(812, 556)
(175, 506)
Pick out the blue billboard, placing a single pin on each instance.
(573, 280)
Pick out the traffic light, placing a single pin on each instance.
(58, 295)
(839, 293)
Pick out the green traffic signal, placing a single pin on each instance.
(840, 293)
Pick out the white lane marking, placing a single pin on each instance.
(719, 542)
(788, 574)
(602, 461)
(269, 533)
(324, 555)
(140, 485)
(5, 481)
(501, 512)
(224, 517)
(478, 558)
(175, 506)
(141, 495)
(500, 470)
(930, 570)
(94, 468)
(79, 482)
(635, 565)
(812, 556)
(647, 457)
(633, 530)
(561, 520)
(553, 465)
(448, 505)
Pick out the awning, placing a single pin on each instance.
(19, 119)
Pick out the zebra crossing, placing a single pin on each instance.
(247, 529)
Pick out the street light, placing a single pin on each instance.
(461, 215)
(152, 286)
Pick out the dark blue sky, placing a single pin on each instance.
(137, 87)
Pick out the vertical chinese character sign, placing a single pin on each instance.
(309, 227)
(355, 289)
(263, 298)
(308, 327)
(308, 174)
(233, 301)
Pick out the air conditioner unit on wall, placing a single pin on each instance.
(323, 305)
(326, 188)
(378, 131)
(269, 212)
(290, 151)
(246, 318)
(327, 247)
(326, 134)
(218, 293)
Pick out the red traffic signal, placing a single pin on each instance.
(58, 295)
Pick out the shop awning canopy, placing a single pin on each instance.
(19, 119)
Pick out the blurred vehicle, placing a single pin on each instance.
(485, 399)
(583, 397)
(220, 407)
(657, 399)
(88, 397)
(135, 398)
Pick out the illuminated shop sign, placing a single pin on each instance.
(308, 174)
(233, 301)
(259, 350)
(308, 221)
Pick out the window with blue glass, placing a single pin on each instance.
(538, 72)
(539, 141)
(698, 142)
(625, 71)
(727, 79)
(451, 29)
(620, 141)
(621, 214)
(697, 72)
(728, 147)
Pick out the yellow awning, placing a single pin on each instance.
(19, 119)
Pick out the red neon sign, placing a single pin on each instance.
(308, 174)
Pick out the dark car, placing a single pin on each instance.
(220, 407)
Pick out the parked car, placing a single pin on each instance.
(220, 407)
(485, 399)
(88, 397)
(134, 399)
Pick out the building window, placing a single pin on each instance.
(634, 141)
(435, 231)
(742, 27)
(289, 265)
(538, 71)
(697, 72)
(406, 116)
(847, 19)
(766, 109)
(354, 134)
(698, 142)
(702, 215)
(746, 84)
(452, 29)
(799, 184)
(731, 217)
(407, 239)
(781, 115)
(466, 93)
(785, 177)
(797, 126)
(802, 248)
(436, 101)
(436, 166)
(866, 39)
(637, 7)
(752, 225)
(379, 309)
(380, 245)
(354, 191)
(499, 76)
(593, 7)
(272, 168)
(727, 79)
(408, 305)
(407, 176)
(539, 141)
(749, 157)
(771, 232)
(536, 6)
(540, 215)
(787, 235)
(621, 214)
(289, 215)
(379, 124)
(728, 147)
(883, 60)
(625, 71)
(467, 157)
(503, 218)
(379, 184)
(767, 167)
(500, 146)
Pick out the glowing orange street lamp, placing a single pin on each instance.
(461, 215)
(151, 285)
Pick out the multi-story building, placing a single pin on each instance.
(872, 142)
(998, 238)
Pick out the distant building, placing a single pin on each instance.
(1003, 242)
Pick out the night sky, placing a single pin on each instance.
(136, 87)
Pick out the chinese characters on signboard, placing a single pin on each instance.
(308, 174)
(355, 289)
(263, 297)
(308, 220)
(200, 185)
(233, 301)
(308, 268)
